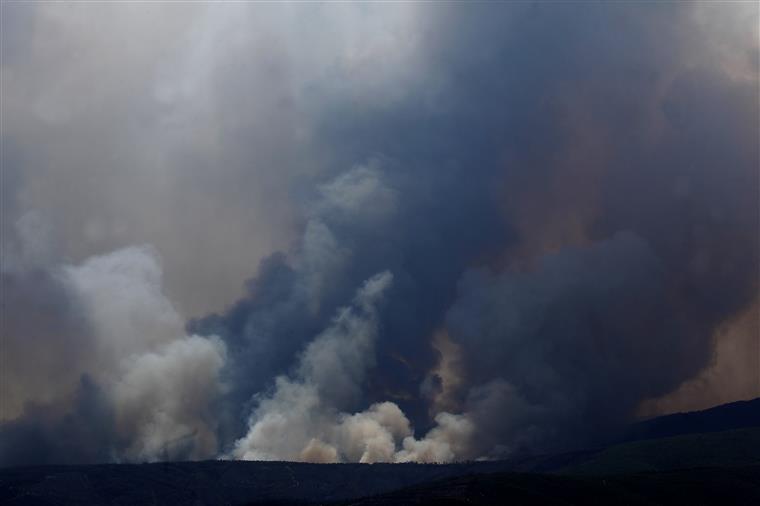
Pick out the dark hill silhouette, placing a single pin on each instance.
(720, 467)
(735, 415)
(719, 486)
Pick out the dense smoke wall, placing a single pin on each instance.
(508, 226)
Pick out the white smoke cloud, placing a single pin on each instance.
(158, 383)
(446, 442)
(359, 195)
(122, 294)
(372, 435)
(163, 400)
(329, 376)
(304, 419)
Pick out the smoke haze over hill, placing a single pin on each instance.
(462, 231)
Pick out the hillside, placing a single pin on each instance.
(714, 467)
(735, 415)
(716, 485)
(716, 449)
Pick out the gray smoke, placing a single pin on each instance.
(586, 331)
(128, 383)
(564, 197)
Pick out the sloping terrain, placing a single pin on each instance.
(728, 449)
(218, 482)
(723, 463)
(735, 415)
(705, 468)
(719, 486)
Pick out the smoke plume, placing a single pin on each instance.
(468, 231)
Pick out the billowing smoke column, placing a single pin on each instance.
(128, 383)
(545, 224)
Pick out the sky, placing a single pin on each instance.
(372, 232)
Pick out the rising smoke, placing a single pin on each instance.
(488, 230)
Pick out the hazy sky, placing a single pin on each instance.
(372, 232)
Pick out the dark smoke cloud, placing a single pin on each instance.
(89, 376)
(579, 341)
(565, 198)
(617, 99)
(77, 430)
(95, 363)
(359, 224)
